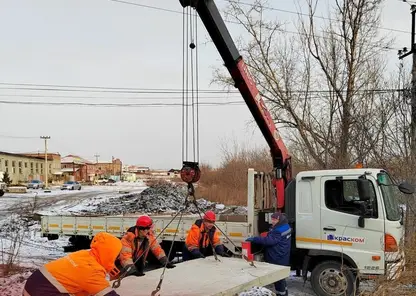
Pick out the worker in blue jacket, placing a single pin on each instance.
(277, 245)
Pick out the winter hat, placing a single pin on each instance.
(277, 215)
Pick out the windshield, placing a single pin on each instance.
(389, 196)
(70, 182)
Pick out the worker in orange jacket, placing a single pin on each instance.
(135, 248)
(202, 236)
(80, 273)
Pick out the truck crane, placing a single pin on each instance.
(234, 62)
(341, 218)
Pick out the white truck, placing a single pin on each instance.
(347, 226)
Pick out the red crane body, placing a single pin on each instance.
(210, 16)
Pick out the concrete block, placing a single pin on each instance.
(205, 277)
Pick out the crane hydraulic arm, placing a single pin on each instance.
(214, 24)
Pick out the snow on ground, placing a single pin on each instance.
(21, 245)
(58, 200)
(88, 205)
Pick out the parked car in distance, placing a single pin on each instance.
(35, 184)
(71, 185)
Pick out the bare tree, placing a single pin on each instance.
(319, 84)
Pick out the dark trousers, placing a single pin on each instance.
(281, 288)
(186, 255)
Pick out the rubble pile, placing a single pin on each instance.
(257, 291)
(158, 199)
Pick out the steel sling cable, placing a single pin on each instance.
(159, 286)
(117, 282)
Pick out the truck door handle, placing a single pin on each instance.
(330, 228)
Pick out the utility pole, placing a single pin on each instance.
(402, 54)
(46, 138)
(96, 157)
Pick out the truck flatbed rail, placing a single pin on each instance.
(118, 225)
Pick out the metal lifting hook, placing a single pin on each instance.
(156, 291)
(117, 283)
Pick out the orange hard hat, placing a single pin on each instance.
(144, 221)
(210, 216)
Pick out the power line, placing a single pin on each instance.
(17, 137)
(141, 105)
(114, 98)
(103, 89)
(99, 87)
(161, 104)
(237, 23)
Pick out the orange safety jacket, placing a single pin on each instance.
(199, 237)
(134, 246)
(81, 273)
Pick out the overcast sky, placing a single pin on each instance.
(109, 44)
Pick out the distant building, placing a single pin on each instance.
(24, 167)
(106, 169)
(77, 168)
(136, 169)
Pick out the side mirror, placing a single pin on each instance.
(363, 186)
(406, 188)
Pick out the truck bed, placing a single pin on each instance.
(117, 225)
(205, 277)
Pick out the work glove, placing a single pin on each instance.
(220, 251)
(170, 265)
(197, 254)
(164, 261)
(133, 271)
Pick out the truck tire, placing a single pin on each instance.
(1, 192)
(327, 279)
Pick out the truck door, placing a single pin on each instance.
(340, 210)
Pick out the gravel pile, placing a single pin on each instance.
(159, 199)
(257, 291)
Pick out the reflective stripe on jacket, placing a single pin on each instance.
(80, 273)
(199, 237)
(134, 247)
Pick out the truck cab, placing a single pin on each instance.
(344, 218)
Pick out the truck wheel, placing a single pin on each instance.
(327, 279)
(1, 192)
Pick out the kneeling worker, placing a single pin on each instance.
(136, 243)
(80, 273)
(202, 235)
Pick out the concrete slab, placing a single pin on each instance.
(205, 277)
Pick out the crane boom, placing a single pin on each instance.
(214, 24)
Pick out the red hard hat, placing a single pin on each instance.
(210, 216)
(144, 221)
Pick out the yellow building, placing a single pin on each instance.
(29, 166)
